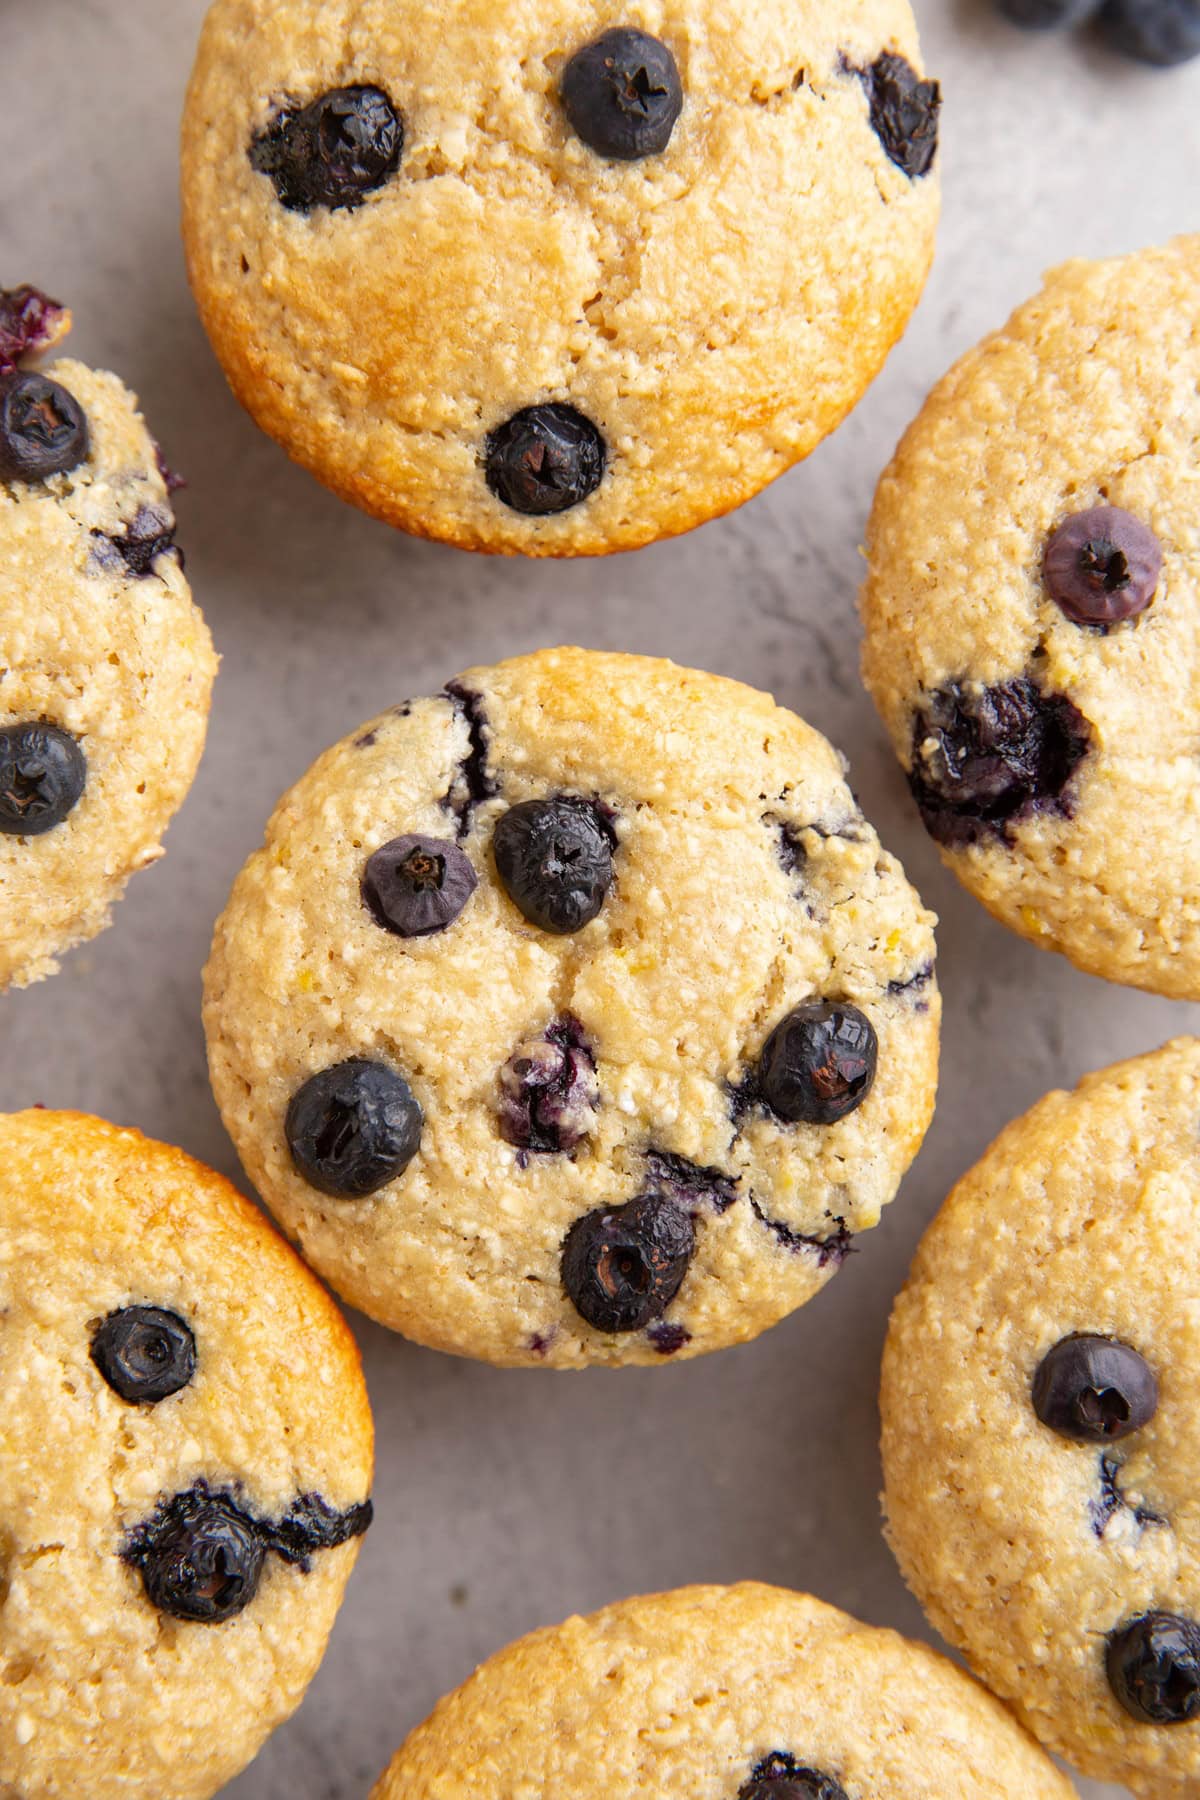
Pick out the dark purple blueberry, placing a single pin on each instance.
(145, 1353)
(417, 885)
(697, 1189)
(311, 1524)
(548, 1090)
(43, 773)
(1102, 566)
(200, 1557)
(667, 1339)
(1046, 15)
(623, 1265)
(353, 1128)
(1161, 32)
(818, 1063)
(545, 460)
(555, 860)
(1153, 1665)
(333, 152)
(29, 321)
(984, 756)
(1094, 1389)
(149, 535)
(780, 1777)
(43, 430)
(622, 94)
(904, 112)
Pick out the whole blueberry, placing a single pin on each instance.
(200, 1557)
(417, 885)
(1161, 32)
(904, 112)
(145, 1353)
(984, 756)
(1102, 566)
(623, 1265)
(622, 94)
(555, 860)
(780, 1777)
(1047, 15)
(353, 1128)
(545, 460)
(43, 773)
(1094, 1389)
(1153, 1666)
(818, 1063)
(43, 429)
(334, 151)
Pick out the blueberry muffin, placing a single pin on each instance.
(184, 1464)
(741, 1693)
(1031, 615)
(559, 278)
(575, 1015)
(106, 666)
(1041, 1422)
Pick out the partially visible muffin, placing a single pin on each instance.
(741, 1693)
(185, 1464)
(106, 665)
(1032, 617)
(559, 278)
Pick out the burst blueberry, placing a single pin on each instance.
(545, 460)
(623, 1265)
(144, 1353)
(555, 860)
(353, 1128)
(819, 1063)
(334, 151)
(548, 1090)
(43, 430)
(200, 1558)
(904, 112)
(622, 94)
(417, 885)
(780, 1777)
(1094, 1389)
(43, 773)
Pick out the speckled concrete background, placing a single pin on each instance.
(508, 1499)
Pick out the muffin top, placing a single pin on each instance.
(185, 1456)
(563, 278)
(1031, 614)
(1041, 1422)
(575, 1014)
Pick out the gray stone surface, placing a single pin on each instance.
(509, 1499)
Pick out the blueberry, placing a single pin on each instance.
(555, 860)
(1153, 1666)
(548, 1090)
(333, 152)
(985, 756)
(311, 1524)
(904, 112)
(780, 1777)
(545, 460)
(622, 1266)
(43, 430)
(1046, 15)
(353, 1128)
(818, 1063)
(200, 1557)
(1162, 32)
(417, 885)
(145, 1353)
(43, 773)
(29, 321)
(1102, 566)
(1094, 1389)
(149, 535)
(622, 94)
